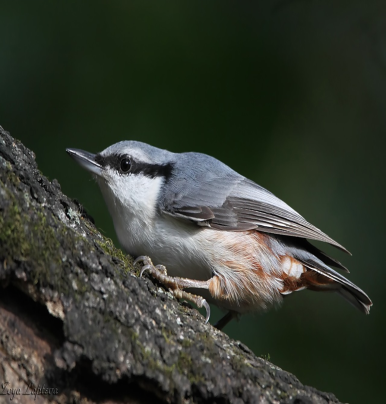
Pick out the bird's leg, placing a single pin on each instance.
(176, 284)
(225, 320)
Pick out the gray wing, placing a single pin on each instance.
(232, 202)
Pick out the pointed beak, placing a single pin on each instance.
(86, 160)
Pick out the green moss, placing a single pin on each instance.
(126, 261)
(186, 343)
(184, 362)
(207, 340)
(107, 245)
(152, 363)
(238, 362)
(167, 334)
(266, 357)
(282, 394)
(27, 236)
(13, 179)
(185, 366)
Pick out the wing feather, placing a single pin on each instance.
(235, 203)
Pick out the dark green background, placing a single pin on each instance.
(290, 94)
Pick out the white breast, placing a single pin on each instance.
(142, 230)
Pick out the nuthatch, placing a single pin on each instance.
(224, 238)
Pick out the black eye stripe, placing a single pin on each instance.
(114, 161)
(152, 170)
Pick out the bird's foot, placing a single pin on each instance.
(148, 265)
(175, 284)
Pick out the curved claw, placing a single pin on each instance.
(207, 308)
(142, 258)
(144, 268)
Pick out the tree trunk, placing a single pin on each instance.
(78, 325)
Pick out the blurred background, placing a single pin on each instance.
(290, 94)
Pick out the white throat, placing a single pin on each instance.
(132, 203)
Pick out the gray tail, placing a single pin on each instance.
(324, 278)
(356, 297)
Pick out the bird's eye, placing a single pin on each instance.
(125, 165)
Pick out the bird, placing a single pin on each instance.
(214, 235)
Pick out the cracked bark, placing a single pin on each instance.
(76, 321)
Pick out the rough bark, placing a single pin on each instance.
(76, 319)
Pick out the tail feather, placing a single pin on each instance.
(362, 303)
(317, 274)
(335, 281)
(329, 279)
(323, 256)
(301, 248)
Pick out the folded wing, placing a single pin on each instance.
(238, 204)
